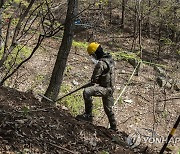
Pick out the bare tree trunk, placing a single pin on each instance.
(110, 11)
(64, 50)
(139, 25)
(159, 33)
(137, 34)
(159, 41)
(149, 20)
(1, 11)
(76, 11)
(174, 31)
(140, 35)
(0, 28)
(134, 28)
(123, 14)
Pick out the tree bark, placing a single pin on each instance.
(140, 25)
(1, 3)
(159, 31)
(174, 31)
(135, 20)
(149, 20)
(64, 50)
(0, 28)
(1, 10)
(123, 14)
(110, 11)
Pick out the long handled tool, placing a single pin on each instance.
(84, 86)
(170, 135)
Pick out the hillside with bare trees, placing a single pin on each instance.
(43, 55)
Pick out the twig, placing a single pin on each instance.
(140, 114)
(22, 17)
(168, 99)
(42, 109)
(143, 97)
(57, 146)
(29, 19)
(5, 55)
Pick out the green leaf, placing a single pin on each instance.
(25, 110)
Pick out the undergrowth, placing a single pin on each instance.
(121, 55)
(80, 44)
(75, 102)
(18, 54)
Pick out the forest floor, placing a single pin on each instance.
(29, 126)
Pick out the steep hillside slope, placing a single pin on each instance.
(29, 126)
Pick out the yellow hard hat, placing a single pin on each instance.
(92, 48)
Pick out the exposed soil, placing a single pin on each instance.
(28, 126)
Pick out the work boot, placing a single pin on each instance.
(84, 116)
(113, 126)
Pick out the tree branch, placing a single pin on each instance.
(40, 39)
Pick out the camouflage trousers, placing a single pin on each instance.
(107, 99)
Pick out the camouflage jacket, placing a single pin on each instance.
(103, 73)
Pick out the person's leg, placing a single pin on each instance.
(108, 103)
(87, 95)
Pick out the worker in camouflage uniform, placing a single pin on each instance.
(102, 81)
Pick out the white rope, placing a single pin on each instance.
(126, 84)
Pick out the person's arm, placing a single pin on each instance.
(98, 70)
